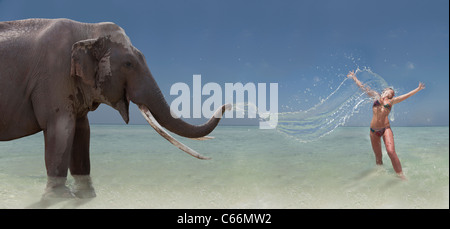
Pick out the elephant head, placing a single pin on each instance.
(112, 71)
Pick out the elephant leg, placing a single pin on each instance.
(58, 136)
(79, 161)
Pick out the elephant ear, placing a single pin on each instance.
(90, 61)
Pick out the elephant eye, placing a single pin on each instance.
(128, 64)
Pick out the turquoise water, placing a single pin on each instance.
(133, 167)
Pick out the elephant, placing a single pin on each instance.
(54, 71)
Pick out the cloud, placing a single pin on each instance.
(410, 65)
(316, 79)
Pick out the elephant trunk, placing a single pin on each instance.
(164, 116)
(156, 111)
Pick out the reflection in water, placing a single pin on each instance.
(52, 202)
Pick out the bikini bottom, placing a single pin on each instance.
(379, 132)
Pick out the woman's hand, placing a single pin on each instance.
(421, 86)
(351, 74)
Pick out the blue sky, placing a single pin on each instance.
(293, 43)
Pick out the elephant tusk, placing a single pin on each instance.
(203, 138)
(152, 121)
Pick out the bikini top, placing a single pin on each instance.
(377, 103)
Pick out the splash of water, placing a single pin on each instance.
(333, 111)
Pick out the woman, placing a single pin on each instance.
(379, 126)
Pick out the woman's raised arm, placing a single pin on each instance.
(409, 94)
(365, 88)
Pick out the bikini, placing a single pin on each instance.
(377, 103)
(380, 132)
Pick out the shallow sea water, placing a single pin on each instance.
(133, 167)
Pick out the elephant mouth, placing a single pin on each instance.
(159, 129)
(123, 107)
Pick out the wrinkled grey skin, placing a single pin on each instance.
(54, 71)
